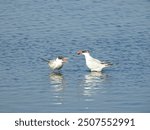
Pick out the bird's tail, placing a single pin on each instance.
(108, 64)
(44, 60)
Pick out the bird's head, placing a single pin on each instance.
(83, 52)
(62, 59)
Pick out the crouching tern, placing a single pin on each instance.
(57, 63)
(92, 63)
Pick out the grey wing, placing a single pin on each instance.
(97, 61)
(106, 63)
(102, 62)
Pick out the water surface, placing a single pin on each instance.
(117, 31)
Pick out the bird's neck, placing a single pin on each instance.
(58, 60)
(87, 56)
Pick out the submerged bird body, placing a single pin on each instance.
(57, 63)
(92, 63)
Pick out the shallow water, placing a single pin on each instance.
(115, 31)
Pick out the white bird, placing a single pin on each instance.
(57, 63)
(92, 63)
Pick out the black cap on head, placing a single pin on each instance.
(60, 57)
(84, 51)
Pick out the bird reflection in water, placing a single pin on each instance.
(57, 83)
(92, 83)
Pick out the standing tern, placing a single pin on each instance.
(92, 63)
(57, 63)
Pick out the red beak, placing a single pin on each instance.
(79, 52)
(65, 59)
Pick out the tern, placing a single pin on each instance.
(56, 64)
(92, 63)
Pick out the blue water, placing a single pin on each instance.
(117, 31)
